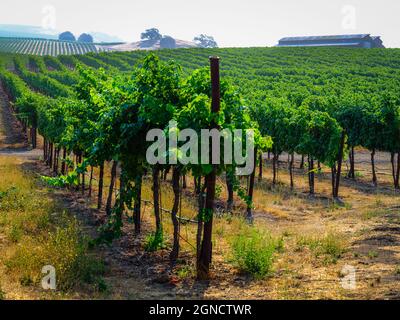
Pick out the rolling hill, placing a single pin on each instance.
(149, 45)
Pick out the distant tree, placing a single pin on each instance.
(66, 36)
(205, 41)
(168, 42)
(84, 37)
(151, 34)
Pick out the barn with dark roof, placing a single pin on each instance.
(350, 41)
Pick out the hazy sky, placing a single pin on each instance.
(231, 22)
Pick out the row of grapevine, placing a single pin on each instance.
(42, 47)
(40, 82)
(53, 68)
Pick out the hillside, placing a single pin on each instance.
(149, 45)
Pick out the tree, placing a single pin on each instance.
(151, 34)
(167, 42)
(205, 41)
(66, 36)
(84, 37)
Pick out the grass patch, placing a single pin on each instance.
(65, 249)
(331, 246)
(397, 270)
(370, 214)
(154, 241)
(372, 254)
(333, 206)
(253, 251)
(185, 272)
(40, 234)
(359, 174)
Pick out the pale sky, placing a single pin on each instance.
(233, 23)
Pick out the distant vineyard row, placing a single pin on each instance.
(43, 47)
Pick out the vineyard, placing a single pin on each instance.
(327, 163)
(43, 47)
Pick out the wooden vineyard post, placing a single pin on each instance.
(205, 257)
(34, 137)
(101, 182)
(339, 166)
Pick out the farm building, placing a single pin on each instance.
(351, 41)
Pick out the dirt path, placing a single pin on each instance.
(11, 132)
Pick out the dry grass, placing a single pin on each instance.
(35, 232)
